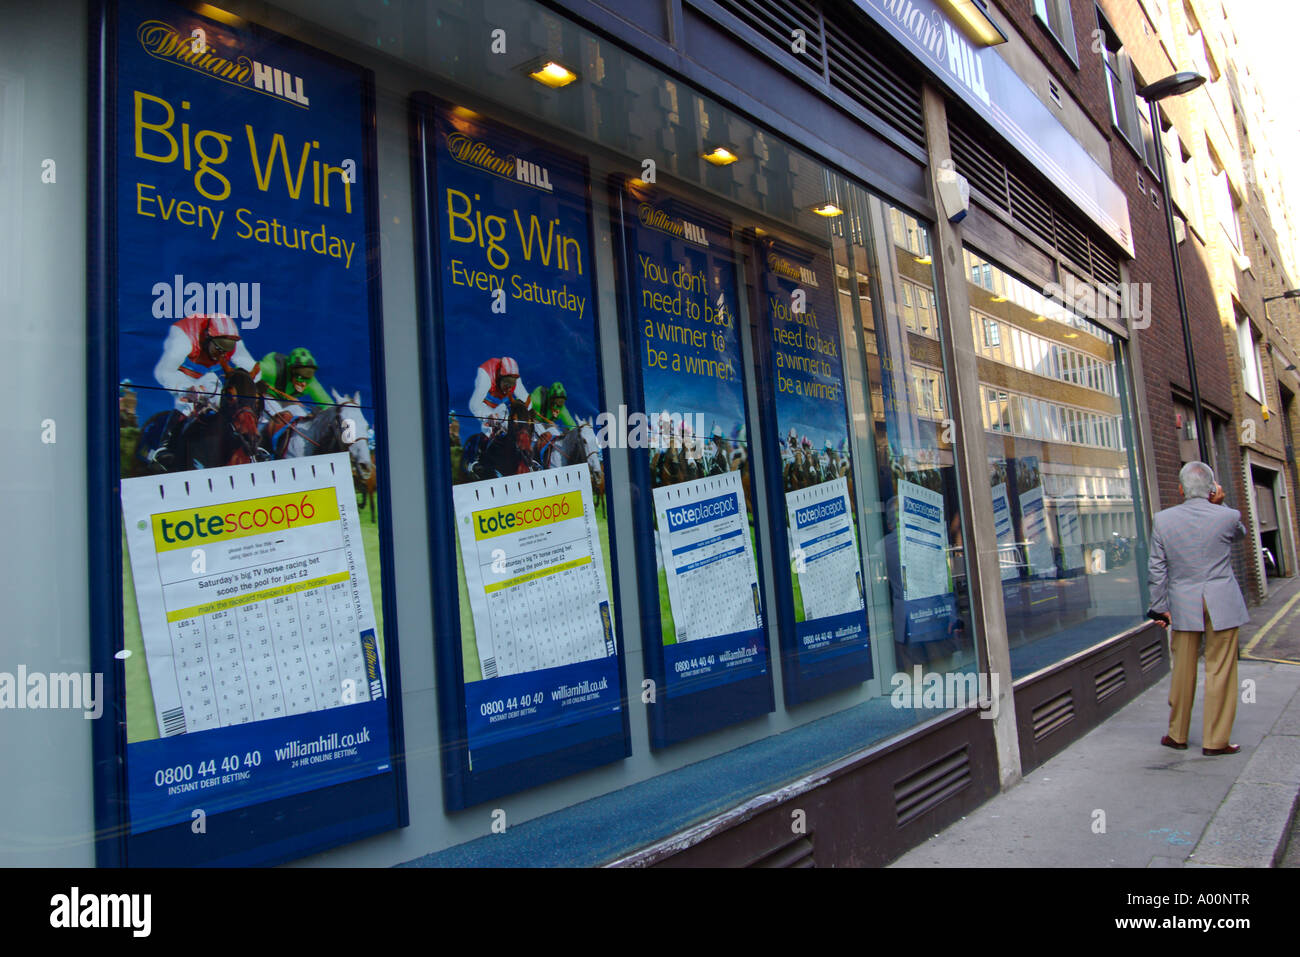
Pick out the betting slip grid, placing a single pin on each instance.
(539, 597)
(830, 579)
(712, 579)
(254, 658)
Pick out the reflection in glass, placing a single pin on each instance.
(1059, 469)
(918, 571)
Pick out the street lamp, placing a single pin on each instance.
(1177, 85)
(1288, 294)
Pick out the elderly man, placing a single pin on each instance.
(1194, 591)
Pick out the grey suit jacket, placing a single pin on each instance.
(1191, 561)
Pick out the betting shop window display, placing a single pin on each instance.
(788, 510)
(916, 571)
(253, 648)
(1060, 469)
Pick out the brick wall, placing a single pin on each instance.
(1163, 356)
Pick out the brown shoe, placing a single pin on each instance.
(1230, 749)
(1169, 742)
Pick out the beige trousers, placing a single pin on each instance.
(1220, 683)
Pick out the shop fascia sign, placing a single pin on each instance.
(989, 85)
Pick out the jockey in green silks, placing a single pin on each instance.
(292, 391)
(292, 378)
(549, 403)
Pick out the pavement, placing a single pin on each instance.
(1117, 798)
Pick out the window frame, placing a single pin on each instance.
(1252, 379)
(1065, 40)
(1120, 73)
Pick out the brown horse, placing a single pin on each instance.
(212, 437)
(363, 480)
(509, 451)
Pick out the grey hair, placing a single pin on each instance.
(1197, 480)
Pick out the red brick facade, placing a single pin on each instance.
(1163, 358)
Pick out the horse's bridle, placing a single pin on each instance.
(337, 427)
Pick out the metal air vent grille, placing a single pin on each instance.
(1053, 714)
(1110, 680)
(1151, 655)
(932, 785)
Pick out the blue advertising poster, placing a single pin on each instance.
(243, 298)
(701, 593)
(826, 642)
(532, 649)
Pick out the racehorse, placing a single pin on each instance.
(571, 447)
(508, 451)
(225, 435)
(363, 480)
(334, 428)
(671, 466)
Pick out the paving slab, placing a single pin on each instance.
(1117, 798)
(1251, 827)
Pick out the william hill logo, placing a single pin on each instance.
(658, 219)
(164, 42)
(465, 149)
(783, 267)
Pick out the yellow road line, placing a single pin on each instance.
(1270, 623)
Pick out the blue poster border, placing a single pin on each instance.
(804, 677)
(673, 719)
(551, 759)
(268, 832)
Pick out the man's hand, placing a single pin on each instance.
(1160, 618)
(1218, 495)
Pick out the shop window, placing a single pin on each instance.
(1058, 474)
(913, 522)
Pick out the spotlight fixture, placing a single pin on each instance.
(1072, 335)
(972, 18)
(553, 74)
(216, 13)
(720, 156)
(999, 298)
(923, 260)
(827, 209)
